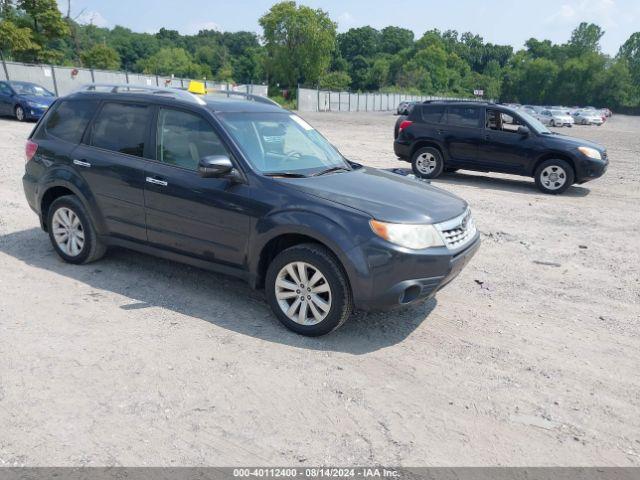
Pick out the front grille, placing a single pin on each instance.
(458, 231)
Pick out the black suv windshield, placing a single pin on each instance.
(282, 143)
(26, 88)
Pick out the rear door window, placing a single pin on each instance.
(463, 116)
(121, 128)
(70, 119)
(432, 113)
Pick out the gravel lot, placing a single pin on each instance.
(531, 357)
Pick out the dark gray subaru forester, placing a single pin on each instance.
(245, 188)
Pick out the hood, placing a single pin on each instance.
(567, 141)
(383, 195)
(36, 99)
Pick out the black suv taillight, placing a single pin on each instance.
(30, 150)
(404, 124)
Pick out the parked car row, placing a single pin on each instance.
(559, 116)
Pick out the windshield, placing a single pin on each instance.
(558, 112)
(282, 143)
(26, 88)
(534, 123)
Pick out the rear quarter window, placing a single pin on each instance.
(463, 116)
(432, 113)
(70, 119)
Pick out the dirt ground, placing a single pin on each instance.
(531, 357)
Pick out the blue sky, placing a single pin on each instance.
(499, 21)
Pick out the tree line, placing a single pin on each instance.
(300, 45)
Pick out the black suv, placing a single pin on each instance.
(244, 188)
(446, 136)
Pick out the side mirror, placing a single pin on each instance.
(214, 166)
(524, 131)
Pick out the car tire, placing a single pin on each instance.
(554, 176)
(427, 162)
(68, 219)
(20, 114)
(317, 313)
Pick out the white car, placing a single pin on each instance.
(555, 118)
(588, 117)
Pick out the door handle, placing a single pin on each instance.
(157, 181)
(487, 136)
(81, 163)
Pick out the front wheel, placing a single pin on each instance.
(20, 114)
(554, 176)
(427, 162)
(308, 291)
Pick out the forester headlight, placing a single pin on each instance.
(415, 237)
(590, 152)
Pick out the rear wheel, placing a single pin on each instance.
(427, 162)
(71, 231)
(20, 114)
(554, 176)
(308, 291)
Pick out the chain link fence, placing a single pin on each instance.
(64, 80)
(317, 100)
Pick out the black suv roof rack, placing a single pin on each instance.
(248, 96)
(460, 100)
(131, 88)
(178, 93)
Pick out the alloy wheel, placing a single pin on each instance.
(303, 293)
(68, 231)
(19, 114)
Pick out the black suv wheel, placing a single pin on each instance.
(427, 162)
(308, 291)
(71, 232)
(554, 176)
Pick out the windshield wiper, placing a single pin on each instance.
(285, 174)
(329, 170)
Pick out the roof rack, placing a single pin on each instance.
(132, 88)
(248, 96)
(459, 100)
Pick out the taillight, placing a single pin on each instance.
(404, 124)
(30, 149)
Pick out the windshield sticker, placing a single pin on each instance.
(301, 122)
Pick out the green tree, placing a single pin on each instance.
(335, 81)
(395, 39)
(101, 56)
(16, 40)
(299, 42)
(47, 26)
(586, 38)
(630, 51)
(359, 71)
(175, 61)
(363, 41)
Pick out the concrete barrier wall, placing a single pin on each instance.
(310, 100)
(64, 80)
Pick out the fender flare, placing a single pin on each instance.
(317, 227)
(67, 178)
